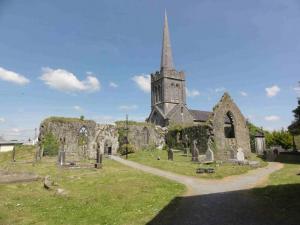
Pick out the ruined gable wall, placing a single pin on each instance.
(241, 131)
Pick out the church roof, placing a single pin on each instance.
(200, 115)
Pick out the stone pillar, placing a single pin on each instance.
(14, 154)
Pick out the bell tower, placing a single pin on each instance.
(167, 85)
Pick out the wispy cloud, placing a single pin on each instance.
(77, 108)
(297, 90)
(243, 93)
(66, 81)
(272, 118)
(2, 120)
(113, 84)
(272, 91)
(220, 89)
(13, 77)
(143, 82)
(128, 107)
(192, 93)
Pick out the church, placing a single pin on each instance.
(168, 106)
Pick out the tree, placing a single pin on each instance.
(294, 128)
(82, 117)
(50, 145)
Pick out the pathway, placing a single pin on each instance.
(214, 202)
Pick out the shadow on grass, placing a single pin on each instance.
(271, 205)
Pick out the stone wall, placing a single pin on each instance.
(227, 147)
(68, 129)
(142, 135)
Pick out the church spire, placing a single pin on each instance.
(166, 52)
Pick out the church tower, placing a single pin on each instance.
(167, 85)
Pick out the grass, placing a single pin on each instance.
(183, 165)
(282, 192)
(115, 194)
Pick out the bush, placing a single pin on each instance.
(50, 145)
(130, 149)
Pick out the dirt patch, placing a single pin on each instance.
(7, 177)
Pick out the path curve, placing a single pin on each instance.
(198, 186)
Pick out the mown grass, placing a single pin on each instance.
(281, 195)
(183, 165)
(115, 194)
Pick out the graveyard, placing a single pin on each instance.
(115, 194)
(101, 125)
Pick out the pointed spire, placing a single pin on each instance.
(166, 52)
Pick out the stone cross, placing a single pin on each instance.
(195, 152)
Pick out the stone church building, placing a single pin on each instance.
(168, 106)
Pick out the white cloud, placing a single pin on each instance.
(272, 118)
(77, 108)
(220, 89)
(192, 93)
(128, 107)
(113, 84)
(272, 91)
(297, 90)
(143, 82)
(2, 120)
(243, 93)
(13, 77)
(66, 81)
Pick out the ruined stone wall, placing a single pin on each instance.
(142, 135)
(68, 129)
(226, 148)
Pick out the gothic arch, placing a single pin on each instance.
(229, 126)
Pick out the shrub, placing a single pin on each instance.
(50, 145)
(122, 149)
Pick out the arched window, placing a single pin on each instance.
(229, 129)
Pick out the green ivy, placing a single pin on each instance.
(50, 145)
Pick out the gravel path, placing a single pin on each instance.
(214, 202)
(197, 186)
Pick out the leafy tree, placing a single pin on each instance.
(294, 128)
(252, 132)
(82, 117)
(50, 145)
(281, 138)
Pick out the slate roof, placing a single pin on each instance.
(200, 115)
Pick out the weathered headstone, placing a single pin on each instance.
(195, 152)
(209, 155)
(98, 163)
(170, 154)
(61, 157)
(240, 156)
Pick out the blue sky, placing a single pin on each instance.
(93, 58)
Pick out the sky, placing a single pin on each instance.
(93, 58)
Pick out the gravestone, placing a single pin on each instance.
(209, 155)
(98, 163)
(61, 157)
(195, 152)
(170, 154)
(240, 156)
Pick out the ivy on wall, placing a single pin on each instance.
(182, 137)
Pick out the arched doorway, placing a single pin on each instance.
(108, 147)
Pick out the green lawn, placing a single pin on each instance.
(183, 165)
(282, 193)
(115, 194)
